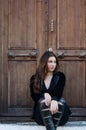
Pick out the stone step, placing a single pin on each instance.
(80, 125)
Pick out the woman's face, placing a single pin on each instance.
(51, 64)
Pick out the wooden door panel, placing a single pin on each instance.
(22, 24)
(22, 41)
(18, 85)
(22, 52)
(75, 88)
(71, 46)
(67, 36)
(71, 18)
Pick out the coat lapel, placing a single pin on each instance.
(54, 82)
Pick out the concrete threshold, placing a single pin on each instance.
(76, 125)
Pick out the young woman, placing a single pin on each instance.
(46, 87)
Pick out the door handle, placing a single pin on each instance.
(52, 25)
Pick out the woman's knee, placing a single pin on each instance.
(62, 100)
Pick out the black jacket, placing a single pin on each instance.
(55, 89)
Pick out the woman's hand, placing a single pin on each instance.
(54, 107)
(47, 99)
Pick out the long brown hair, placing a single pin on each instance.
(42, 69)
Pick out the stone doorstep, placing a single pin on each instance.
(36, 127)
(72, 125)
(68, 124)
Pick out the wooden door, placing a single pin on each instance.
(67, 36)
(27, 28)
(22, 41)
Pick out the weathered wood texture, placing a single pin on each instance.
(71, 14)
(26, 37)
(27, 29)
(22, 41)
(67, 36)
(22, 24)
(3, 54)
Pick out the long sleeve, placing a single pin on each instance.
(58, 90)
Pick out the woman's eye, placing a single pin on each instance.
(51, 61)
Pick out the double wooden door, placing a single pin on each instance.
(27, 29)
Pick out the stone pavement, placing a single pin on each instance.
(76, 125)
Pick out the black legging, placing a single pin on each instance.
(38, 118)
(51, 121)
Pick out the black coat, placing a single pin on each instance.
(55, 90)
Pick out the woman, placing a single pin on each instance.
(46, 88)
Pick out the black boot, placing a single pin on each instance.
(58, 115)
(47, 116)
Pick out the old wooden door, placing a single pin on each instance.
(22, 40)
(67, 36)
(27, 28)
